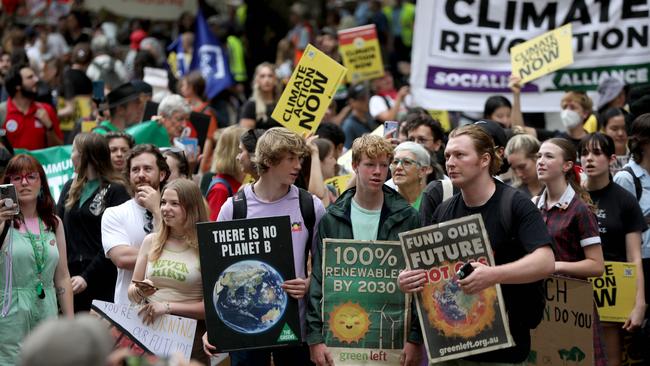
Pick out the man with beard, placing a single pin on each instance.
(28, 124)
(125, 226)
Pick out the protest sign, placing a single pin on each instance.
(615, 291)
(455, 324)
(57, 165)
(461, 49)
(345, 160)
(168, 335)
(339, 182)
(309, 91)
(442, 117)
(243, 265)
(543, 54)
(361, 54)
(565, 332)
(364, 313)
(145, 9)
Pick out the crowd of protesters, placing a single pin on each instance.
(577, 197)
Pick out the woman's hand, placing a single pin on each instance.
(145, 287)
(412, 280)
(635, 320)
(6, 213)
(79, 284)
(208, 349)
(151, 311)
(296, 288)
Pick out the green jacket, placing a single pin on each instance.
(396, 216)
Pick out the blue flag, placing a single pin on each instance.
(208, 56)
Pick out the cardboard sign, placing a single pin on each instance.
(309, 91)
(339, 182)
(455, 324)
(615, 291)
(243, 264)
(361, 54)
(168, 335)
(543, 54)
(364, 313)
(565, 333)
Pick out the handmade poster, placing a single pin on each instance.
(167, 336)
(361, 54)
(339, 182)
(364, 313)
(309, 91)
(615, 291)
(243, 264)
(455, 324)
(543, 54)
(565, 335)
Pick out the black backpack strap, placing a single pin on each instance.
(637, 182)
(239, 208)
(506, 210)
(308, 217)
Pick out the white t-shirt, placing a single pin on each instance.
(377, 105)
(123, 225)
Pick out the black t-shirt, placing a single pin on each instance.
(618, 214)
(248, 111)
(431, 199)
(527, 233)
(75, 82)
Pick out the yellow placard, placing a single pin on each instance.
(543, 54)
(442, 117)
(345, 160)
(615, 291)
(361, 53)
(87, 126)
(309, 91)
(339, 182)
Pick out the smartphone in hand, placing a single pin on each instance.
(465, 271)
(390, 129)
(144, 285)
(8, 193)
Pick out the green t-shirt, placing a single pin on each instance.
(418, 201)
(365, 223)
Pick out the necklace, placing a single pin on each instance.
(40, 257)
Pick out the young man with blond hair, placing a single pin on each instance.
(369, 211)
(278, 157)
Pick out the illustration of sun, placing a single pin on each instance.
(349, 322)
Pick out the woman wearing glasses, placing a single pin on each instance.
(32, 257)
(81, 206)
(173, 289)
(409, 168)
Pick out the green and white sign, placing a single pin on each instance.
(57, 165)
(363, 309)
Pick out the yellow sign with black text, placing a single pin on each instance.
(615, 291)
(309, 91)
(339, 182)
(361, 54)
(543, 54)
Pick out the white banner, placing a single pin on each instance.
(460, 49)
(147, 9)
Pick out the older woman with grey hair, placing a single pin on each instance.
(174, 111)
(410, 167)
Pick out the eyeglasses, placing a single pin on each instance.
(419, 140)
(405, 162)
(148, 222)
(31, 177)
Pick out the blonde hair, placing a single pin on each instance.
(372, 146)
(224, 159)
(483, 144)
(260, 105)
(579, 97)
(274, 144)
(523, 143)
(192, 202)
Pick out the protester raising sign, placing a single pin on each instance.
(309, 91)
(615, 291)
(361, 53)
(364, 311)
(244, 264)
(543, 54)
(455, 324)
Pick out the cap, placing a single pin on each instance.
(494, 130)
(142, 87)
(357, 91)
(87, 341)
(136, 37)
(608, 90)
(122, 94)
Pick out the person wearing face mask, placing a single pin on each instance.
(576, 110)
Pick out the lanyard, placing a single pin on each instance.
(39, 257)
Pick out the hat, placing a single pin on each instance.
(494, 130)
(608, 90)
(136, 37)
(357, 91)
(122, 94)
(86, 341)
(142, 87)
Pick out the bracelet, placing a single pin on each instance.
(168, 308)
